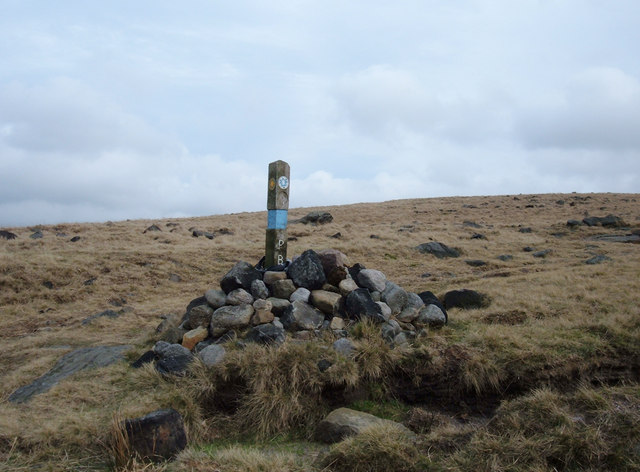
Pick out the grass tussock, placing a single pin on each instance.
(552, 323)
(588, 430)
(378, 448)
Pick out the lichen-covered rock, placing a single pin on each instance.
(215, 298)
(359, 306)
(241, 275)
(394, 296)
(411, 309)
(259, 289)
(198, 316)
(344, 422)
(230, 317)
(212, 355)
(301, 294)
(278, 305)
(301, 316)
(306, 271)
(239, 296)
(283, 288)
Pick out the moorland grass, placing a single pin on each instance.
(558, 348)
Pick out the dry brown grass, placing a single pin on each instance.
(550, 318)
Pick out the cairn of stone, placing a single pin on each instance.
(315, 293)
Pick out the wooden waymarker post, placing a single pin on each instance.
(277, 209)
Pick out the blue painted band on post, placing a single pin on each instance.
(277, 219)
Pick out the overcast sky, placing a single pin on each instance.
(149, 108)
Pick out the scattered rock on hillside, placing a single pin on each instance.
(475, 262)
(597, 259)
(315, 218)
(465, 299)
(80, 359)
(439, 250)
(344, 422)
(105, 313)
(37, 235)
(505, 257)
(609, 221)
(158, 436)
(152, 228)
(542, 254)
(7, 235)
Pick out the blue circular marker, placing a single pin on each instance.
(283, 182)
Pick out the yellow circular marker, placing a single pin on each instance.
(272, 184)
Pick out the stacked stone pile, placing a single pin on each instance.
(316, 292)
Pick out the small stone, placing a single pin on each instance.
(152, 228)
(332, 259)
(215, 298)
(412, 308)
(278, 305)
(347, 286)
(505, 257)
(37, 235)
(262, 313)
(241, 275)
(323, 365)
(344, 347)
(542, 254)
(301, 316)
(475, 262)
(372, 279)
(193, 337)
(270, 333)
(301, 294)
(230, 317)
(359, 306)
(259, 289)
(271, 276)
(395, 297)
(386, 311)
(390, 330)
(401, 339)
(597, 260)
(212, 355)
(175, 278)
(283, 288)
(239, 296)
(337, 275)
(465, 299)
(337, 323)
(326, 302)
(198, 316)
(431, 315)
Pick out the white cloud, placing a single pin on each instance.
(598, 109)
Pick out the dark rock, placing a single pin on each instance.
(617, 238)
(315, 218)
(158, 436)
(337, 275)
(338, 235)
(475, 262)
(390, 329)
(323, 365)
(543, 253)
(7, 235)
(355, 270)
(505, 257)
(241, 275)
(173, 359)
(478, 236)
(47, 284)
(597, 259)
(89, 281)
(105, 313)
(471, 224)
(306, 271)
(528, 249)
(438, 249)
(301, 316)
(525, 230)
(465, 299)
(359, 306)
(266, 334)
(609, 221)
(198, 316)
(145, 358)
(152, 228)
(80, 359)
(574, 223)
(75, 239)
(332, 259)
(36, 235)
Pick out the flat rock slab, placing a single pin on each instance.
(344, 422)
(70, 363)
(617, 238)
